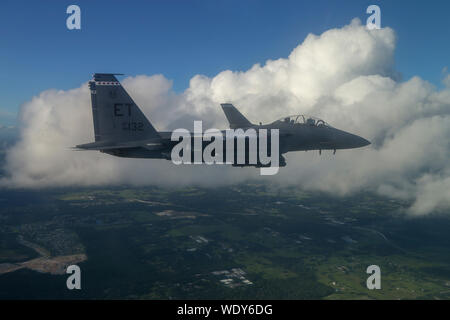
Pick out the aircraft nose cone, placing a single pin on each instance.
(346, 140)
(362, 142)
(355, 141)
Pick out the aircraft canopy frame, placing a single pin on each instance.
(302, 119)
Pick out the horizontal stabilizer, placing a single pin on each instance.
(100, 145)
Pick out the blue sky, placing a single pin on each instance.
(182, 38)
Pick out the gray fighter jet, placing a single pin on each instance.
(121, 129)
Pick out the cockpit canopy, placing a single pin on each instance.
(303, 120)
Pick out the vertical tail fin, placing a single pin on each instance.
(116, 116)
(235, 118)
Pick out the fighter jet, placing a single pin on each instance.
(122, 130)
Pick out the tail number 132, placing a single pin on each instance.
(132, 126)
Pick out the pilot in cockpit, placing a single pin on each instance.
(310, 121)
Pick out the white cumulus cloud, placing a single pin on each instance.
(345, 76)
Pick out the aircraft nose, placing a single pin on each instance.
(362, 142)
(346, 140)
(355, 141)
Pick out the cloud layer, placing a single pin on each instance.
(345, 76)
